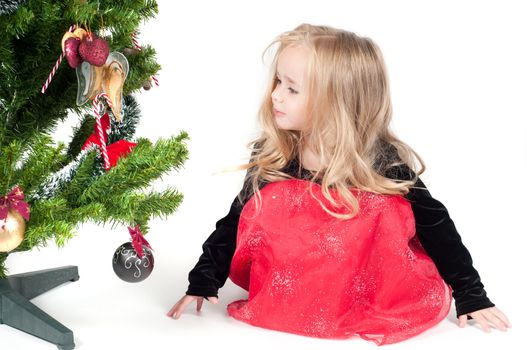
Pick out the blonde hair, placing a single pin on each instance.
(349, 114)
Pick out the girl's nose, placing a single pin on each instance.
(276, 96)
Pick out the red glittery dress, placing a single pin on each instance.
(310, 273)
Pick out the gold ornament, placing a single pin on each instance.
(78, 33)
(12, 231)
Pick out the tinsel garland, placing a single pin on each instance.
(8, 7)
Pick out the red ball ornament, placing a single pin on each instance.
(94, 50)
(71, 50)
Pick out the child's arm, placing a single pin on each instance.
(212, 269)
(440, 239)
(438, 236)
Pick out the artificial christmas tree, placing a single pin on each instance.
(48, 188)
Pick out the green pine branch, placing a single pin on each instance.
(47, 221)
(3, 270)
(42, 159)
(80, 135)
(9, 155)
(145, 163)
(146, 60)
(83, 178)
(130, 207)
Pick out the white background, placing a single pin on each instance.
(458, 75)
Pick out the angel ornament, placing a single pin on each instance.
(108, 78)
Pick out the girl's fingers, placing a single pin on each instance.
(501, 316)
(171, 311)
(497, 318)
(180, 306)
(174, 309)
(487, 317)
(179, 309)
(462, 321)
(496, 321)
(481, 320)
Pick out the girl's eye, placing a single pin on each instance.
(291, 90)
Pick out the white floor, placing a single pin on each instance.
(106, 313)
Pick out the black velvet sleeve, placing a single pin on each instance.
(438, 236)
(213, 266)
(212, 269)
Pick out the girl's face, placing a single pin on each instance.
(289, 95)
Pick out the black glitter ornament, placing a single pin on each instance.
(129, 267)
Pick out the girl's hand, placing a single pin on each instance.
(179, 307)
(490, 315)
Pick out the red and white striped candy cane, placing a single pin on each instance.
(57, 64)
(138, 47)
(135, 41)
(99, 127)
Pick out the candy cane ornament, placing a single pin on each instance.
(57, 64)
(99, 126)
(138, 47)
(135, 41)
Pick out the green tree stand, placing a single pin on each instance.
(18, 312)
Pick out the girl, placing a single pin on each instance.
(333, 233)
